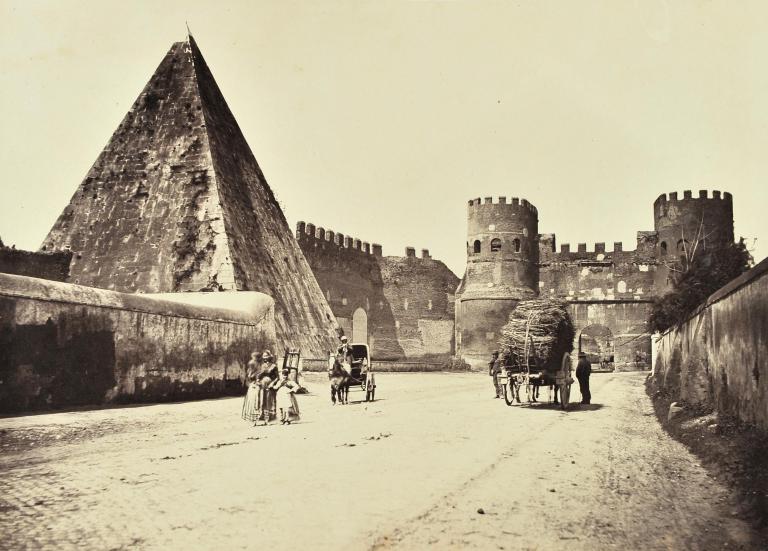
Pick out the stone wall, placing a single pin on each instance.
(406, 303)
(610, 293)
(65, 345)
(719, 357)
(44, 265)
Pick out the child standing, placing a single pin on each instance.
(286, 398)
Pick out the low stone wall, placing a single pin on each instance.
(720, 355)
(64, 345)
(384, 366)
(45, 265)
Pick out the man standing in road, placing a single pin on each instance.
(583, 371)
(494, 368)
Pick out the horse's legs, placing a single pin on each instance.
(333, 394)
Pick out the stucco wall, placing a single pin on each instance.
(63, 345)
(720, 355)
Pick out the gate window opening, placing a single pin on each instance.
(495, 245)
(477, 246)
(516, 245)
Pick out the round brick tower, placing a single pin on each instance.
(502, 269)
(702, 223)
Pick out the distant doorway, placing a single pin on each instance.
(360, 326)
(596, 341)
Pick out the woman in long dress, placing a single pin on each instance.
(252, 395)
(286, 398)
(265, 406)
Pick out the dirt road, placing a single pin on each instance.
(408, 471)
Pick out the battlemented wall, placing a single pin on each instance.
(609, 290)
(406, 302)
(64, 345)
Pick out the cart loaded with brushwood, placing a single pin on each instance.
(536, 347)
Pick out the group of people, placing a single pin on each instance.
(270, 395)
(583, 371)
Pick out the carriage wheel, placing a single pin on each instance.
(565, 395)
(511, 391)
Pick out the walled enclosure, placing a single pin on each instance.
(407, 303)
(45, 265)
(719, 357)
(609, 292)
(65, 345)
(177, 202)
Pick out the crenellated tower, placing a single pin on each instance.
(690, 223)
(502, 269)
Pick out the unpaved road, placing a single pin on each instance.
(407, 472)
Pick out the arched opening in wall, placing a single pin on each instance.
(596, 341)
(495, 245)
(682, 246)
(663, 248)
(360, 326)
(477, 246)
(516, 245)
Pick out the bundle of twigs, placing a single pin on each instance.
(549, 328)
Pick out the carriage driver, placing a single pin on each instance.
(345, 351)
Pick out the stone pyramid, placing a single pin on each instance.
(177, 202)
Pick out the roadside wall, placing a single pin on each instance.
(45, 265)
(64, 345)
(720, 355)
(387, 366)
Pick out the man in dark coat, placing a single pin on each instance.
(583, 371)
(494, 369)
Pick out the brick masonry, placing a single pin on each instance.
(405, 303)
(609, 290)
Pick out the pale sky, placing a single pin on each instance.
(381, 119)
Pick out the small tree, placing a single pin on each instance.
(699, 273)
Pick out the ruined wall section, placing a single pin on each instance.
(44, 265)
(64, 345)
(147, 217)
(408, 301)
(421, 294)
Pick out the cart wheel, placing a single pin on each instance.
(565, 387)
(510, 391)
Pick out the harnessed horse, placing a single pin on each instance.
(338, 374)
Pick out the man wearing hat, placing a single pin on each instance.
(583, 371)
(344, 353)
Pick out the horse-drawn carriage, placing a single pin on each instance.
(537, 343)
(354, 371)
